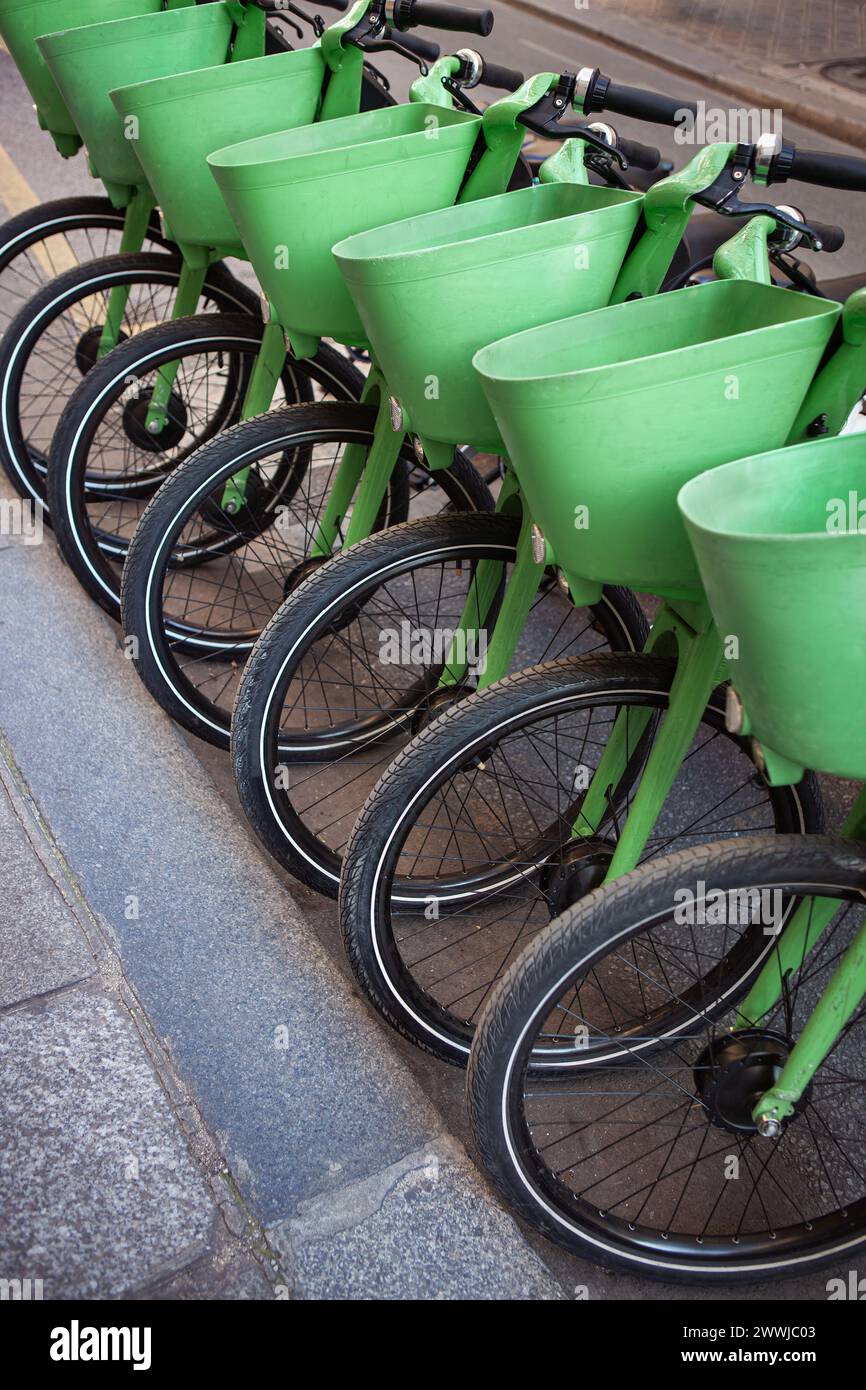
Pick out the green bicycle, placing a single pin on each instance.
(191, 643)
(626, 1152)
(38, 243)
(530, 793)
(79, 315)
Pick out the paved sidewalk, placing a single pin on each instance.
(192, 1097)
(806, 56)
(100, 1195)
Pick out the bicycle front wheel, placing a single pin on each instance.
(349, 670)
(200, 583)
(653, 1163)
(55, 340)
(470, 844)
(44, 241)
(106, 465)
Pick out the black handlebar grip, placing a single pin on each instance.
(832, 238)
(411, 14)
(340, 5)
(646, 106)
(829, 170)
(505, 79)
(641, 156)
(422, 48)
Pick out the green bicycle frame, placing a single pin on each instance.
(686, 632)
(362, 476)
(667, 208)
(237, 33)
(361, 472)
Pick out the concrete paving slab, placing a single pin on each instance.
(423, 1228)
(98, 1191)
(41, 945)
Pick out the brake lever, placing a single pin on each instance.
(722, 197)
(453, 86)
(297, 28)
(792, 271)
(545, 117)
(371, 26)
(280, 9)
(602, 166)
(390, 45)
(577, 132)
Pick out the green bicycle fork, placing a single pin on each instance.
(363, 474)
(688, 632)
(189, 287)
(841, 998)
(135, 224)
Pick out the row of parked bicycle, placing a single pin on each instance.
(395, 572)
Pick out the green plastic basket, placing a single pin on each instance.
(605, 416)
(784, 566)
(293, 195)
(86, 63)
(23, 21)
(432, 290)
(184, 118)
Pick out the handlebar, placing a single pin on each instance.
(644, 105)
(477, 71)
(595, 92)
(422, 48)
(828, 170)
(412, 14)
(640, 156)
(831, 238)
(505, 79)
